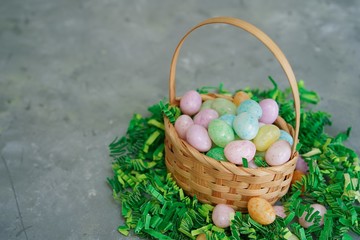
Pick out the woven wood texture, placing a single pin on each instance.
(217, 182)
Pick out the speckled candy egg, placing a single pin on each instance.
(220, 132)
(278, 153)
(246, 126)
(286, 136)
(270, 110)
(317, 207)
(250, 106)
(190, 103)
(267, 135)
(182, 124)
(302, 165)
(223, 106)
(237, 150)
(280, 211)
(228, 118)
(207, 104)
(239, 97)
(205, 116)
(222, 215)
(197, 136)
(251, 164)
(217, 153)
(261, 211)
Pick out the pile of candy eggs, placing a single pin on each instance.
(233, 130)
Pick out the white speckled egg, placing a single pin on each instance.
(222, 215)
(190, 103)
(317, 207)
(235, 151)
(182, 124)
(278, 153)
(198, 137)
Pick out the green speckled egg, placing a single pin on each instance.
(223, 106)
(220, 132)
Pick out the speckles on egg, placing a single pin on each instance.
(197, 136)
(190, 103)
(237, 150)
(205, 116)
(278, 153)
(261, 211)
(321, 211)
(220, 132)
(250, 106)
(246, 126)
(222, 215)
(182, 124)
(223, 106)
(270, 110)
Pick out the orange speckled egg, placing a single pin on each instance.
(261, 211)
(239, 97)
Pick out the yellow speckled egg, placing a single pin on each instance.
(261, 211)
(267, 135)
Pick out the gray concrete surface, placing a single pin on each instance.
(72, 73)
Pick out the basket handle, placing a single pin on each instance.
(260, 35)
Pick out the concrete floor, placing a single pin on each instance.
(72, 73)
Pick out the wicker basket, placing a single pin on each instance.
(217, 182)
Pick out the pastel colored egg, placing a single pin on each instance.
(182, 124)
(270, 110)
(261, 211)
(235, 151)
(207, 104)
(201, 236)
(220, 132)
(286, 136)
(278, 153)
(197, 136)
(251, 164)
(250, 106)
(228, 118)
(302, 165)
(317, 207)
(205, 116)
(239, 97)
(222, 215)
(297, 176)
(267, 135)
(223, 106)
(280, 211)
(246, 126)
(217, 153)
(190, 103)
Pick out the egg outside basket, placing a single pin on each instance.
(216, 182)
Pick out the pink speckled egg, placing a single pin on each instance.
(222, 215)
(270, 110)
(182, 124)
(317, 207)
(198, 137)
(278, 153)
(302, 165)
(205, 116)
(251, 164)
(280, 211)
(191, 102)
(235, 151)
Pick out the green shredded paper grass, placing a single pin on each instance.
(154, 207)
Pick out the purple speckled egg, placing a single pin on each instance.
(222, 215)
(190, 103)
(235, 151)
(278, 153)
(280, 211)
(198, 137)
(270, 110)
(301, 165)
(182, 124)
(205, 116)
